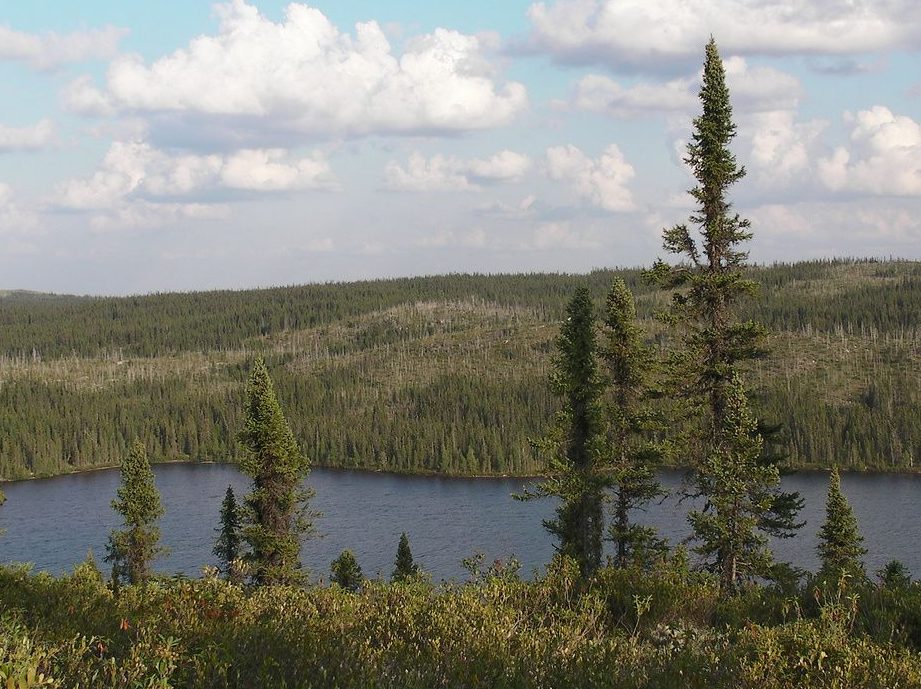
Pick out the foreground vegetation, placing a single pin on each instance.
(624, 628)
(442, 374)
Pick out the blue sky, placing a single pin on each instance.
(189, 145)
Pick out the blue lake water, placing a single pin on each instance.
(54, 522)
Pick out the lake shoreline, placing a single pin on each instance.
(324, 467)
(912, 471)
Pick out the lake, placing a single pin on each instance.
(54, 522)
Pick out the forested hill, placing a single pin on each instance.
(445, 374)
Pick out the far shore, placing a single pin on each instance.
(908, 471)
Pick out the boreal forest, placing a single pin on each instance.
(443, 374)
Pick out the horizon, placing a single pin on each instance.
(844, 260)
(353, 141)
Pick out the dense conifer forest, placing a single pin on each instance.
(436, 374)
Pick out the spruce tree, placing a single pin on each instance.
(132, 549)
(739, 490)
(840, 543)
(707, 288)
(227, 544)
(404, 566)
(633, 453)
(574, 473)
(276, 514)
(346, 572)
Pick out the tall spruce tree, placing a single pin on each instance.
(840, 546)
(404, 566)
(740, 489)
(132, 549)
(276, 515)
(227, 545)
(575, 446)
(632, 451)
(708, 286)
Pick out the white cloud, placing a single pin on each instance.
(783, 148)
(305, 76)
(82, 97)
(523, 209)
(268, 170)
(14, 218)
(871, 227)
(884, 157)
(447, 173)
(31, 138)
(601, 181)
(135, 169)
(561, 235)
(753, 89)
(142, 214)
(655, 35)
(50, 49)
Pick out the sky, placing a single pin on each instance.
(186, 144)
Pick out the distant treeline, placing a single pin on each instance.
(444, 374)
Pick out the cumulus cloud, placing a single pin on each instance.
(664, 34)
(754, 89)
(782, 147)
(872, 227)
(772, 141)
(270, 170)
(48, 50)
(884, 157)
(447, 173)
(135, 169)
(82, 97)
(602, 181)
(14, 218)
(305, 76)
(31, 138)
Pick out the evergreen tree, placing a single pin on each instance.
(132, 549)
(739, 489)
(227, 544)
(276, 509)
(574, 472)
(633, 454)
(346, 571)
(404, 567)
(708, 287)
(840, 543)
(894, 575)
